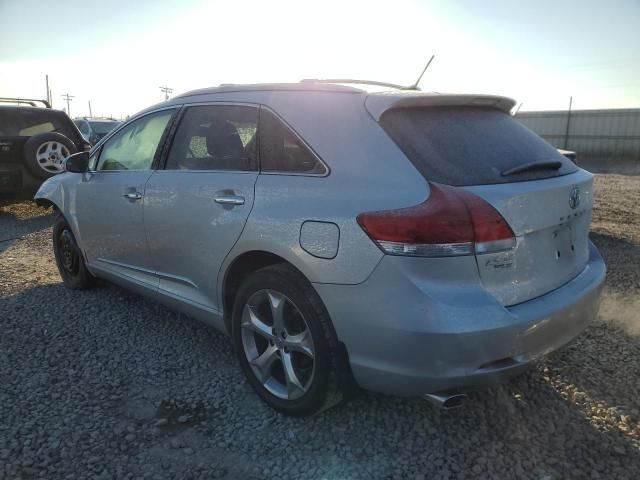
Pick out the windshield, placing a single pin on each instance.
(103, 127)
(471, 145)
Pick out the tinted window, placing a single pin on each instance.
(134, 147)
(82, 126)
(40, 121)
(102, 127)
(221, 137)
(37, 128)
(470, 146)
(27, 123)
(282, 151)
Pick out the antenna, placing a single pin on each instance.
(414, 86)
(517, 109)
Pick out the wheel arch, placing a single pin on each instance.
(51, 194)
(46, 203)
(238, 269)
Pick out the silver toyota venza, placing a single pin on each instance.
(404, 242)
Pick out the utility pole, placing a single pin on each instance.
(166, 91)
(48, 89)
(90, 113)
(67, 98)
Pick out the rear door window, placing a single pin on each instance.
(281, 151)
(471, 145)
(215, 137)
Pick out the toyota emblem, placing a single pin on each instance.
(574, 197)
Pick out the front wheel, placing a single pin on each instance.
(69, 258)
(286, 344)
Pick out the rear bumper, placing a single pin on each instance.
(15, 178)
(408, 336)
(10, 179)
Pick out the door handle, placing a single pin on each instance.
(133, 196)
(229, 200)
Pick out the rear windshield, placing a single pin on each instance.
(103, 127)
(470, 145)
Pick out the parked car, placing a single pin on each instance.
(93, 129)
(409, 243)
(34, 143)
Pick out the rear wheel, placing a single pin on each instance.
(69, 258)
(286, 344)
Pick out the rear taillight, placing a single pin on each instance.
(450, 222)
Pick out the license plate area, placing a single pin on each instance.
(563, 242)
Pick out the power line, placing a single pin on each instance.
(166, 91)
(67, 98)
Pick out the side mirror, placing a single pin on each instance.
(78, 162)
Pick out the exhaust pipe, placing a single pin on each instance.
(446, 400)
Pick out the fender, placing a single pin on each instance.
(59, 192)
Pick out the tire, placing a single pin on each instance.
(44, 154)
(69, 258)
(328, 381)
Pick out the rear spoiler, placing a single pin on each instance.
(28, 101)
(378, 103)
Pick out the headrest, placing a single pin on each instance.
(223, 140)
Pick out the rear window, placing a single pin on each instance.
(470, 145)
(103, 127)
(27, 122)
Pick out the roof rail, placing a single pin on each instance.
(28, 101)
(358, 82)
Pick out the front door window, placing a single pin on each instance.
(135, 146)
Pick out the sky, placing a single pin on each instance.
(117, 53)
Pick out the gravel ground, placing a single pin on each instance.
(106, 384)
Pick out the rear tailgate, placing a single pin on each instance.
(544, 197)
(11, 149)
(551, 220)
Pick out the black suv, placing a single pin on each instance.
(34, 142)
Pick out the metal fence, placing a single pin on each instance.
(605, 140)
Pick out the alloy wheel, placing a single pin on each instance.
(278, 344)
(51, 155)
